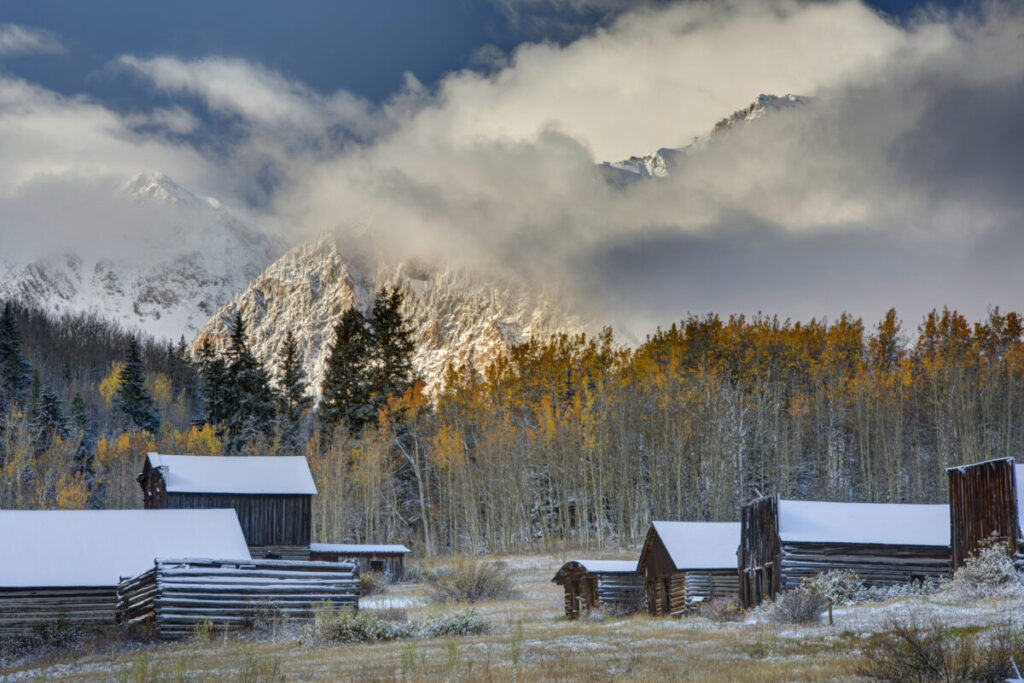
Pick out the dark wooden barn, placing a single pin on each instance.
(173, 595)
(609, 584)
(66, 564)
(272, 496)
(985, 498)
(683, 563)
(784, 542)
(386, 559)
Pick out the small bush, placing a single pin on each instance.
(346, 626)
(387, 613)
(989, 572)
(463, 623)
(723, 610)
(372, 583)
(840, 586)
(909, 652)
(471, 581)
(798, 606)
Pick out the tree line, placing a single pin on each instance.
(565, 442)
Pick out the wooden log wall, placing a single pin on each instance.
(392, 566)
(620, 593)
(175, 595)
(23, 610)
(265, 520)
(875, 565)
(759, 551)
(705, 584)
(983, 500)
(280, 552)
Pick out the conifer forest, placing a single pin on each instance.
(565, 442)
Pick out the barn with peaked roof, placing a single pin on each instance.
(271, 494)
(683, 563)
(610, 584)
(986, 498)
(783, 542)
(67, 563)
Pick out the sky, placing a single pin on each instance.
(469, 131)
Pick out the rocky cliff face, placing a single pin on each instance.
(458, 316)
(187, 258)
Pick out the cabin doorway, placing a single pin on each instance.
(666, 596)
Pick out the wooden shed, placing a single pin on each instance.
(611, 584)
(784, 542)
(985, 498)
(67, 564)
(683, 563)
(386, 559)
(173, 595)
(272, 495)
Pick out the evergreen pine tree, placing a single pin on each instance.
(14, 369)
(292, 395)
(213, 381)
(345, 389)
(393, 347)
(252, 400)
(48, 421)
(132, 399)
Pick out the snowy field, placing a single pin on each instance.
(530, 640)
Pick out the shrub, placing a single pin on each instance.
(372, 583)
(840, 586)
(723, 610)
(463, 623)
(798, 606)
(471, 581)
(909, 652)
(988, 572)
(346, 626)
(349, 626)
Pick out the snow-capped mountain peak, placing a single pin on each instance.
(177, 259)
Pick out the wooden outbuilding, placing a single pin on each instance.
(173, 596)
(985, 498)
(784, 542)
(271, 494)
(385, 559)
(610, 584)
(66, 564)
(683, 563)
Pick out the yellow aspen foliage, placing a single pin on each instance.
(72, 492)
(118, 461)
(108, 385)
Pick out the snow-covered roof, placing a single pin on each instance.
(595, 567)
(700, 545)
(881, 523)
(49, 548)
(281, 475)
(1018, 471)
(608, 566)
(358, 548)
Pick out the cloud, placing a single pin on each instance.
(258, 95)
(897, 185)
(21, 40)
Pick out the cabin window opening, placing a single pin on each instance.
(377, 566)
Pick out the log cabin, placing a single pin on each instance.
(684, 563)
(984, 499)
(784, 542)
(388, 560)
(271, 494)
(66, 564)
(610, 584)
